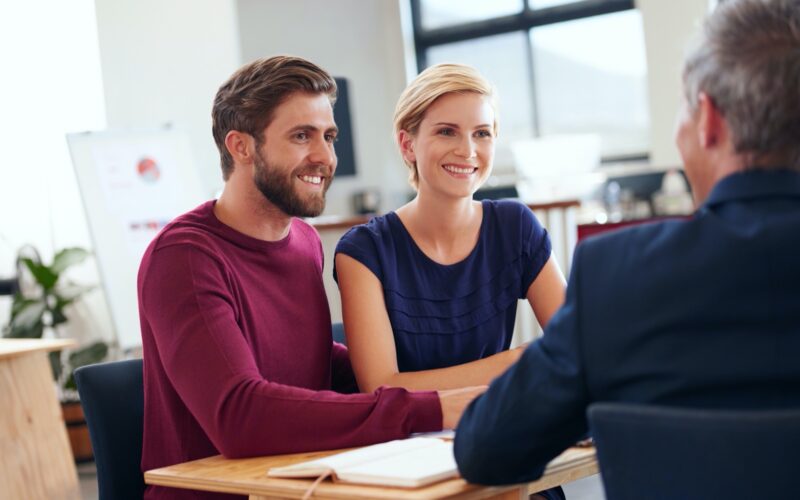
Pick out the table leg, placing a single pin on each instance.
(36, 462)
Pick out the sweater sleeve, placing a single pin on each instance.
(342, 377)
(186, 302)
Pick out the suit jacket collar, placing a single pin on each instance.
(755, 184)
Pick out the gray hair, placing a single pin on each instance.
(748, 63)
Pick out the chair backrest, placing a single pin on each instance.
(650, 452)
(112, 396)
(337, 330)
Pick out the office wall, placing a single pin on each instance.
(357, 39)
(668, 30)
(51, 84)
(162, 62)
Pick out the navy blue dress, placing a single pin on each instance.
(446, 315)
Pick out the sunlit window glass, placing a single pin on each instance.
(543, 4)
(502, 60)
(590, 77)
(440, 13)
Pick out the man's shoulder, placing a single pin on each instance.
(304, 229)
(623, 251)
(305, 237)
(661, 231)
(186, 231)
(189, 230)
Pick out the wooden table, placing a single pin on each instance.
(248, 477)
(35, 456)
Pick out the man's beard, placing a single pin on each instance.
(277, 186)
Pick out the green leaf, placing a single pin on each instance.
(57, 316)
(41, 273)
(34, 331)
(19, 302)
(28, 314)
(55, 363)
(67, 294)
(68, 257)
(70, 383)
(93, 353)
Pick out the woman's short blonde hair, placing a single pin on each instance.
(430, 85)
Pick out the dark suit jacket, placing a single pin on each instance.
(697, 313)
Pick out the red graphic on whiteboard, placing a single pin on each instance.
(148, 170)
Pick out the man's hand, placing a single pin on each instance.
(454, 401)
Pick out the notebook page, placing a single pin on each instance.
(354, 457)
(412, 468)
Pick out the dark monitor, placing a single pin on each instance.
(344, 146)
(496, 193)
(643, 186)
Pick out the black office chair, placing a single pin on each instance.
(649, 452)
(112, 396)
(337, 329)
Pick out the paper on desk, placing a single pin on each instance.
(449, 434)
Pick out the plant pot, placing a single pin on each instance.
(78, 431)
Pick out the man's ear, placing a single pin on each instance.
(711, 124)
(406, 142)
(241, 146)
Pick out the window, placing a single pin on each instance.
(560, 66)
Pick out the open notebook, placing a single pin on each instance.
(407, 463)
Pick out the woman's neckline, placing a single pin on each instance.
(396, 218)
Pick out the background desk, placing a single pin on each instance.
(248, 477)
(35, 456)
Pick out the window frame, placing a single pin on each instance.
(524, 21)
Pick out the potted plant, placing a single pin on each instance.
(39, 309)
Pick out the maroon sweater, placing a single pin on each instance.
(238, 357)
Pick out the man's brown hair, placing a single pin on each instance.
(247, 101)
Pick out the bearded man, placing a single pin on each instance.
(236, 330)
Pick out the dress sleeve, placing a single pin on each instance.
(209, 363)
(359, 243)
(536, 248)
(532, 412)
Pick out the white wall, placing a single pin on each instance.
(162, 62)
(51, 85)
(668, 29)
(357, 39)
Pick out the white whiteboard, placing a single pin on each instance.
(132, 183)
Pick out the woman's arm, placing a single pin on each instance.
(546, 293)
(371, 343)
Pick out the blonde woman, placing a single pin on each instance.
(429, 292)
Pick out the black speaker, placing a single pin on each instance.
(344, 144)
